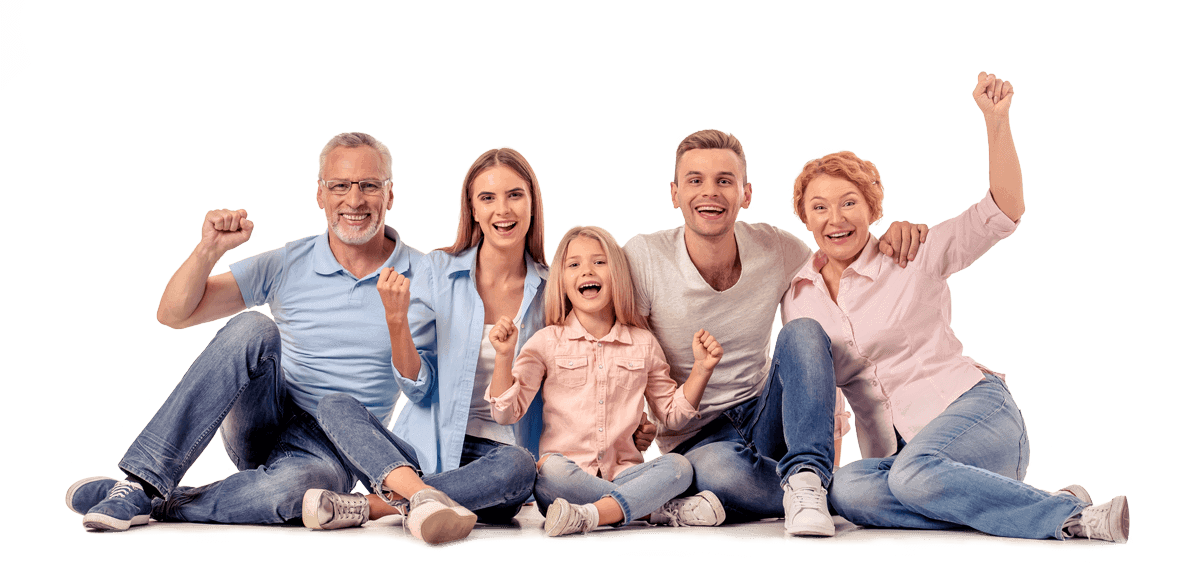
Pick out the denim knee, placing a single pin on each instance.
(803, 336)
(715, 466)
(332, 404)
(681, 466)
(909, 482)
(523, 466)
(251, 326)
(854, 492)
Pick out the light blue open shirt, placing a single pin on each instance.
(446, 317)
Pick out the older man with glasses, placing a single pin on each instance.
(260, 380)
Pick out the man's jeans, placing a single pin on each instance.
(493, 481)
(734, 456)
(639, 490)
(963, 469)
(236, 384)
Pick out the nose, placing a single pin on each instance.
(355, 195)
(502, 206)
(836, 216)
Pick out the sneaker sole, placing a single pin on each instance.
(441, 524)
(312, 505)
(555, 524)
(102, 522)
(812, 531)
(1119, 519)
(75, 487)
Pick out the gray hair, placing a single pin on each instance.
(356, 139)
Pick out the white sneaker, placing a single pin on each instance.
(1106, 522)
(806, 512)
(1077, 491)
(701, 509)
(564, 518)
(435, 518)
(324, 509)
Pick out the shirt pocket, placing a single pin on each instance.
(571, 370)
(630, 373)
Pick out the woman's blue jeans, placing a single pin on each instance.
(493, 481)
(639, 490)
(963, 469)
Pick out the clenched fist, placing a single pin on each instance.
(393, 291)
(225, 229)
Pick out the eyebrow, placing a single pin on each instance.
(729, 174)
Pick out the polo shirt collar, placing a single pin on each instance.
(324, 263)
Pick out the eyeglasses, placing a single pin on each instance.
(366, 186)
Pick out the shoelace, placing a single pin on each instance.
(1095, 522)
(576, 522)
(348, 507)
(673, 511)
(807, 498)
(121, 488)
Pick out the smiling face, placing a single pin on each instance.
(586, 278)
(500, 204)
(709, 187)
(838, 216)
(354, 218)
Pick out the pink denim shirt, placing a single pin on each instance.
(895, 356)
(593, 393)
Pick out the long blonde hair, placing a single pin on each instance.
(624, 295)
(469, 233)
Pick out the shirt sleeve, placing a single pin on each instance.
(793, 252)
(643, 276)
(422, 322)
(953, 245)
(259, 276)
(528, 372)
(666, 399)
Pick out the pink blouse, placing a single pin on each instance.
(593, 393)
(895, 356)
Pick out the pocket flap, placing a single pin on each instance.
(570, 362)
(631, 363)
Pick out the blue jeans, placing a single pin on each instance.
(493, 480)
(745, 455)
(236, 384)
(639, 490)
(963, 469)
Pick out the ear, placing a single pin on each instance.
(320, 198)
(391, 197)
(746, 192)
(674, 194)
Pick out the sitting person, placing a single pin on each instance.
(945, 444)
(598, 361)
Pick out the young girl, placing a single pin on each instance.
(598, 360)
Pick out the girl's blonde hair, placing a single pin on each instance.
(624, 297)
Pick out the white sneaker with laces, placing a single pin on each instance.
(435, 518)
(702, 509)
(324, 509)
(564, 518)
(1106, 522)
(806, 512)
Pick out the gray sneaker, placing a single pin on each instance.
(702, 509)
(324, 509)
(435, 518)
(564, 518)
(1106, 522)
(805, 509)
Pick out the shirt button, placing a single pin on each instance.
(599, 345)
(600, 367)
(601, 430)
(602, 401)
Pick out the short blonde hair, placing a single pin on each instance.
(624, 295)
(848, 166)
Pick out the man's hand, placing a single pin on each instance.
(643, 436)
(393, 291)
(706, 350)
(902, 240)
(225, 229)
(993, 96)
(504, 337)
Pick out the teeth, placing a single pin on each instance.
(506, 225)
(710, 210)
(592, 285)
(840, 235)
(354, 217)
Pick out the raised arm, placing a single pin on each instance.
(994, 97)
(394, 293)
(192, 296)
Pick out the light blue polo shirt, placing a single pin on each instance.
(331, 324)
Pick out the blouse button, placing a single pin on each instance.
(601, 430)
(570, 363)
(602, 401)
(600, 367)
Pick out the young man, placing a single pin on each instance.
(764, 444)
(261, 380)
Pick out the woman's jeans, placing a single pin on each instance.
(493, 480)
(639, 490)
(963, 469)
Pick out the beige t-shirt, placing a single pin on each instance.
(678, 302)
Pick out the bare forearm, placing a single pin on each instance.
(186, 288)
(502, 378)
(404, 351)
(693, 387)
(1004, 168)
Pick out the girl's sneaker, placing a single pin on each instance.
(563, 518)
(701, 509)
(1106, 522)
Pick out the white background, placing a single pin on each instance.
(122, 124)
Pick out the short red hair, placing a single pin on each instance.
(848, 166)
